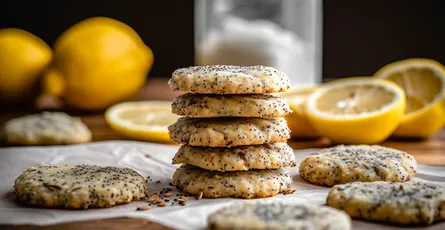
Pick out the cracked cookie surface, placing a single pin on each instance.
(241, 158)
(349, 163)
(229, 79)
(211, 105)
(79, 186)
(227, 132)
(278, 215)
(241, 184)
(47, 128)
(411, 202)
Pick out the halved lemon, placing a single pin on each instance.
(358, 110)
(297, 121)
(423, 81)
(142, 120)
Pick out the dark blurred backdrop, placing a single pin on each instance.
(358, 36)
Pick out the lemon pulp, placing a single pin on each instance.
(423, 81)
(360, 110)
(421, 87)
(145, 120)
(354, 100)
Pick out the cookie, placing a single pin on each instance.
(241, 158)
(229, 79)
(348, 163)
(79, 186)
(278, 215)
(406, 203)
(242, 184)
(226, 132)
(212, 105)
(47, 128)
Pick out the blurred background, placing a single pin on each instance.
(358, 37)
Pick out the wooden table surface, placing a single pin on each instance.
(430, 151)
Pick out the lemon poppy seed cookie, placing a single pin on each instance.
(79, 186)
(231, 134)
(240, 158)
(278, 215)
(226, 132)
(229, 79)
(47, 128)
(348, 163)
(241, 184)
(211, 105)
(406, 203)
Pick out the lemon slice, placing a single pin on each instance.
(359, 110)
(423, 81)
(144, 120)
(297, 121)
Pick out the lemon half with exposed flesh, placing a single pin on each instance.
(424, 83)
(297, 121)
(142, 120)
(359, 110)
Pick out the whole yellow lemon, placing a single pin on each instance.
(23, 58)
(98, 62)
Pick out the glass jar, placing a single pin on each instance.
(285, 34)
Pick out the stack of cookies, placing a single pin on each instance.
(232, 130)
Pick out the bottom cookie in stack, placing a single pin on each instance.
(242, 184)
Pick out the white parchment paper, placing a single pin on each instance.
(152, 160)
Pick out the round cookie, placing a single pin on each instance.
(241, 184)
(241, 158)
(212, 105)
(348, 163)
(47, 128)
(227, 132)
(229, 79)
(406, 203)
(79, 186)
(278, 215)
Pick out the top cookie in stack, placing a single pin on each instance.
(233, 131)
(226, 79)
